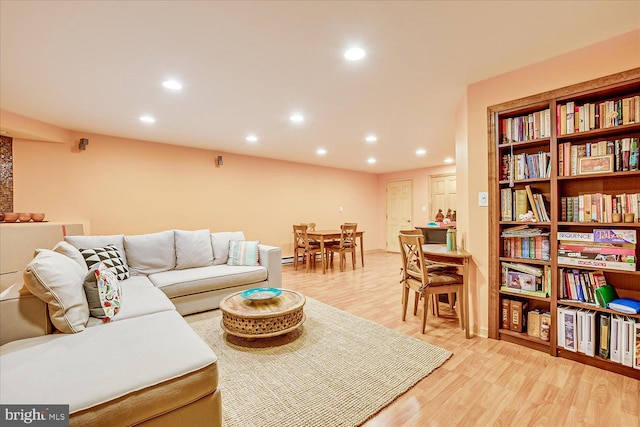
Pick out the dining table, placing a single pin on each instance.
(458, 258)
(324, 236)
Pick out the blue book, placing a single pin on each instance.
(625, 305)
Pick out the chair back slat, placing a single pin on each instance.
(302, 240)
(413, 257)
(348, 235)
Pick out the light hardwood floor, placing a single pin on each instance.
(486, 382)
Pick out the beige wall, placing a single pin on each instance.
(608, 57)
(127, 186)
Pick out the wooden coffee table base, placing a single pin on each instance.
(262, 319)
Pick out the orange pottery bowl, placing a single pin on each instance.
(24, 217)
(10, 217)
(37, 217)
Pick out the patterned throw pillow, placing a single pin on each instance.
(243, 252)
(103, 292)
(110, 256)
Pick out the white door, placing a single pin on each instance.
(443, 194)
(399, 209)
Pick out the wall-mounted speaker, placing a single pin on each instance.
(83, 143)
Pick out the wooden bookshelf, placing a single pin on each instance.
(555, 188)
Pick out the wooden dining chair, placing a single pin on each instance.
(311, 226)
(426, 279)
(346, 244)
(302, 245)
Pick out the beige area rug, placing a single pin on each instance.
(336, 370)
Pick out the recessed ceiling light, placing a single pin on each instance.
(297, 118)
(371, 138)
(172, 84)
(448, 160)
(252, 138)
(371, 160)
(321, 151)
(354, 54)
(421, 151)
(147, 119)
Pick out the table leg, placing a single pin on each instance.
(465, 297)
(322, 254)
(362, 249)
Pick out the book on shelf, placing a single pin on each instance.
(567, 328)
(506, 313)
(514, 203)
(526, 279)
(636, 361)
(625, 305)
(525, 166)
(586, 332)
(598, 207)
(601, 256)
(616, 338)
(605, 294)
(533, 247)
(600, 235)
(611, 265)
(518, 318)
(627, 347)
(533, 323)
(545, 326)
(604, 336)
(526, 127)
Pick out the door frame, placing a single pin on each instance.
(386, 203)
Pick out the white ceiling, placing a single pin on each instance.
(96, 66)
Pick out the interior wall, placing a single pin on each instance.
(128, 186)
(598, 60)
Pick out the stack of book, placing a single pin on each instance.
(526, 279)
(603, 248)
(525, 242)
(624, 156)
(526, 128)
(572, 118)
(514, 315)
(598, 207)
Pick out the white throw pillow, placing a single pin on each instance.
(71, 251)
(57, 280)
(220, 243)
(151, 253)
(193, 249)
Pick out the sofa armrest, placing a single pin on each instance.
(271, 257)
(22, 314)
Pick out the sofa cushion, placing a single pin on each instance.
(72, 252)
(102, 289)
(243, 252)
(57, 280)
(150, 356)
(83, 242)
(195, 280)
(193, 249)
(139, 298)
(108, 255)
(220, 243)
(151, 253)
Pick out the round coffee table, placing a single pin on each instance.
(246, 318)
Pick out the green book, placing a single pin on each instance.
(605, 294)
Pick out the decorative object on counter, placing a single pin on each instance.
(37, 217)
(24, 217)
(10, 217)
(453, 216)
(616, 217)
(452, 244)
(448, 215)
(439, 216)
(628, 217)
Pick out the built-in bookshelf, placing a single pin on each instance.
(564, 188)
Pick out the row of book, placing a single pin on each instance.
(526, 279)
(516, 317)
(514, 203)
(613, 249)
(526, 166)
(620, 155)
(537, 247)
(598, 207)
(610, 336)
(580, 285)
(526, 128)
(572, 118)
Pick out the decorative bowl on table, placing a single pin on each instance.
(24, 217)
(37, 217)
(10, 217)
(257, 294)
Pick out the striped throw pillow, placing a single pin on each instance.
(243, 252)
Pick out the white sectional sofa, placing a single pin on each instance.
(145, 366)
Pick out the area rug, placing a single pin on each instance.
(335, 370)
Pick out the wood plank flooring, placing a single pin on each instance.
(486, 382)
